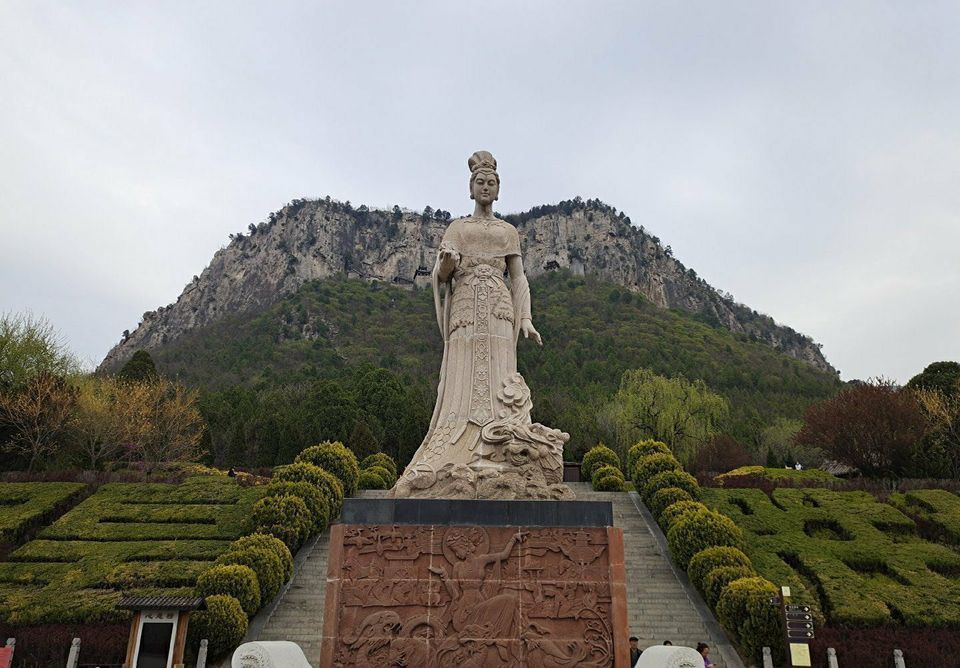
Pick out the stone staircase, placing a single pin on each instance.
(661, 603)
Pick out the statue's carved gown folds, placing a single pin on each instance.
(482, 442)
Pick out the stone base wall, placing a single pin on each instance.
(475, 596)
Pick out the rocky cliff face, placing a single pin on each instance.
(317, 239)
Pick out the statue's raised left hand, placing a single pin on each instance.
(526, 326)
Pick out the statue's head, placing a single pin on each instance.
(484, 180)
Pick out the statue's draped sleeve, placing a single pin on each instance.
(519, 287)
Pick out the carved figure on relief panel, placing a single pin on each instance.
(482, 442)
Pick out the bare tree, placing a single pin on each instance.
(40, 414)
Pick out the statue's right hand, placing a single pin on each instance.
(449, 259)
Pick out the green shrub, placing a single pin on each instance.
(380, 459)
(667, 497)
(680, 479)
(696, 531)
(596, 457)
(317, 476)
(285, 517)
(240, 582)
(604, 471)
(744, 610)
(610, 483)
(271, 543)
(717, 580)
(313, 497)
(338, 459)
(264, 562)
(651, 465)
(676, 510)
(223, 624)
(371, 480)
(388, 478)
(714, 557)
(644, 449)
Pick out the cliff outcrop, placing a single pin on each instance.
(315, 239)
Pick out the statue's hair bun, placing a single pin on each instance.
(482, 160)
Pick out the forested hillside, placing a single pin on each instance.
(357, 361)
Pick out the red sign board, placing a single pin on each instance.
(6, 657)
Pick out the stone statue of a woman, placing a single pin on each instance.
(481, 442)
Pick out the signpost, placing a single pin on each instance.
(799, 630)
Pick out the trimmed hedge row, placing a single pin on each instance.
(28, 505)
(595, 457)
(338, 459)
(300, 501)
(126, 538)
(378, 471)
(708, 544)
(937, 508)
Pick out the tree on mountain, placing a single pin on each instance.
(362, 441)
(139, 367)
(683, 414)
(941, 376)
(873, 426)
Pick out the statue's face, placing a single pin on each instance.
(484, 188)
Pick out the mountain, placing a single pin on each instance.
(341, 351)
(321, 239)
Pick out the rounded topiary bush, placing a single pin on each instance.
(380, 459)
(223, 624)
(270, 543)
(312, 497)
(676, 510)
(264, 562)
(717, 580)
(596, 457)
(610, 483)
(651, 465)
(744, 610)
(388, 478)
(667, 497)
(316, 476)
(285, 517)
(372, 480)
(680, 479)
(644, 449)
(605, 471)
(711, 558)
(692, 532)
(338, 459)
(232, 580)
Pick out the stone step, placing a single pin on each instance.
(660, 606)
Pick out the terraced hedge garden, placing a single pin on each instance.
(26, 505)
(857, 561)
(127, 538)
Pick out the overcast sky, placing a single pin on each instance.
(803, 156)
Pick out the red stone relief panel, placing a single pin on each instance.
(474, 597)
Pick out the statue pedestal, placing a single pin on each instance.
(475, 583)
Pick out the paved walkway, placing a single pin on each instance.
(661, 603)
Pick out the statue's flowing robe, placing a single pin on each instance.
(479, 315)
